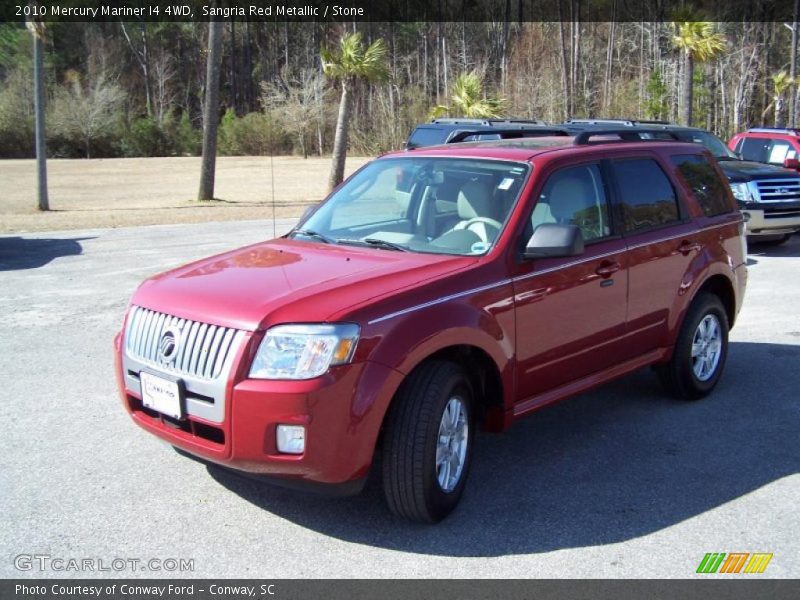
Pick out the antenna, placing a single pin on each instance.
(272, 184)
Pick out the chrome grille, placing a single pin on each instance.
(203, 350)
(779, 190)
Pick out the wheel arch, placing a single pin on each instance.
(720, 286)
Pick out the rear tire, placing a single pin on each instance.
(428, 442)
(700, 350)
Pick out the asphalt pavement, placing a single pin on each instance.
(620, 482)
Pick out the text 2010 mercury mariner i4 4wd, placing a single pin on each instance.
(433, 293)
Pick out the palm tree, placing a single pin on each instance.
(782, 83)
(211, 111)
(467, 99)
(347, 63)
(37, 29)
(699, 42)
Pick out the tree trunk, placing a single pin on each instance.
(779, 122)
(233, 98)
(340, 139)
(211, 111)
(609, 63)
(565, 78)
(688, 85)
(41, 148)
(793, 68)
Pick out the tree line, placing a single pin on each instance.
(138, 89)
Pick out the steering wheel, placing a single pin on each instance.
(474, 221)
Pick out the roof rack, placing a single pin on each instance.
(525, 132)
(489, 122)
(517, 120)
(449, 121)
(625, 135)
(787, 131)
(625, 122)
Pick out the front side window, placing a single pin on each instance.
(647, 199)
(575, 196)
(705, 183)
(754, 149)
(420, 204)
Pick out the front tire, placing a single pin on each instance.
(428, 442)
(700, 350)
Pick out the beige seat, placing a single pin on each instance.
(475, 209)
(541, 215)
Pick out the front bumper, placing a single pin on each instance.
(342, 412)
(763, 219)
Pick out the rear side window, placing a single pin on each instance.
(647, 199)
(704, 182)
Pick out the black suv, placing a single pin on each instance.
(768, 196)
(447, 131)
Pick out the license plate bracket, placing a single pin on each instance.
(163, 394)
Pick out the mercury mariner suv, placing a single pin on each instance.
(436, 292)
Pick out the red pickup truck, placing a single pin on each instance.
(436, 292)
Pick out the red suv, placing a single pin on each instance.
(435, 292)
(773, 146)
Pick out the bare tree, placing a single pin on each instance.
(163, 94)
(211, 111)
(142, 54)
(86, 113)
(301, 100)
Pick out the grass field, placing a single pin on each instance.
(120, 192)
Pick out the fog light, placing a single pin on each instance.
(291, 439)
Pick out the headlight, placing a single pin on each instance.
(303, 351)
(741, 192)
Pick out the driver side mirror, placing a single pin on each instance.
(791, 163)
(552, 240)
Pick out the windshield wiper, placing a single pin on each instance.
(374, 242)
(313, 234)
(384, 244)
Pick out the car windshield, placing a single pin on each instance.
(427, 136)
(420, 204)
(712, 143)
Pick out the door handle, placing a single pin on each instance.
(687, 246)
(608, 268)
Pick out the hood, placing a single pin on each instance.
(284, 281)
(739, 171)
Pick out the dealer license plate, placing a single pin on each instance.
(161, 395)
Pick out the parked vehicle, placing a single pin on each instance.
(769, 196)
(770, 145)
(444, 131)
(434, 293)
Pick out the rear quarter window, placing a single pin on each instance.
(704, 182)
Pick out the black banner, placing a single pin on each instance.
(412, 589)
(396, 10)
